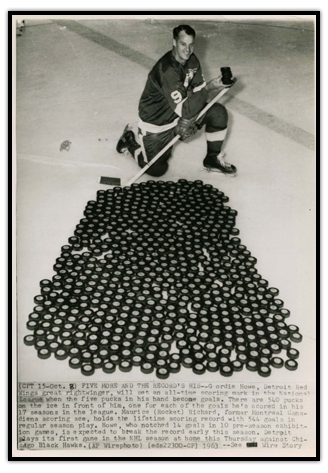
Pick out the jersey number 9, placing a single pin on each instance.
(176, 96)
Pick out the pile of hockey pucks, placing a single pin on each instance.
(156, 276)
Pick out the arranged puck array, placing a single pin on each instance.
(156, 276)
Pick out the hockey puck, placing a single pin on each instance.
(108, 367)
(147, 367)
(97, 362)
(275, 348)
(174, 367)
(212, 366)
(293, 354)
(285, 313)
(285, 344)
(29, 340)
(224, 361)
(187, 362)
(87, 370)
(40, 344)
(296, 337)
(61, 354)
(237, 365)
(252, 365)
(226, 76)
(45, 282)
(226, 370)
(73, 352)
(162, 373)
(53, 346)
(75, 362)
(32, 325)
(277, 362)
(44, 353)
(264, 371)
(125, 366)
(199, 368)
(291, 365)
(293, 329)
(242, 358)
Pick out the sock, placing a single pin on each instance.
(215, 141)
(138, 156)
(133, 147)
(213, 152)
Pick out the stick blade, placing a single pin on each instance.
(110, 181)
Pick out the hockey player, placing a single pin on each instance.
(175, 93)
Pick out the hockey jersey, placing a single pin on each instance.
(172, 90)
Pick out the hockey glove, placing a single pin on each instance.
(187, 128)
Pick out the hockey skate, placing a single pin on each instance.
(126, 139)
(218, 164)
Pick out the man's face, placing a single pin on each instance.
(184, 47)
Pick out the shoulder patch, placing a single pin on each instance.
(189, 76)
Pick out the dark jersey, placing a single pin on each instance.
(172, 90)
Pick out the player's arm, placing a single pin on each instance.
(198, 82)
(176, 94)
(216, 83)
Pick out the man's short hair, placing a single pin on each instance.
(186, 28)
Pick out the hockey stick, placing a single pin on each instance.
(177, 137)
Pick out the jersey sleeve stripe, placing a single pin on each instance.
(199, 87)
(178, 108)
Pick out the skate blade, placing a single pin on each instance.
(209, 170)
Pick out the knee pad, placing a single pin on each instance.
(217, 118)
(157, 170)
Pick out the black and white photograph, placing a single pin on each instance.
(165, 234)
